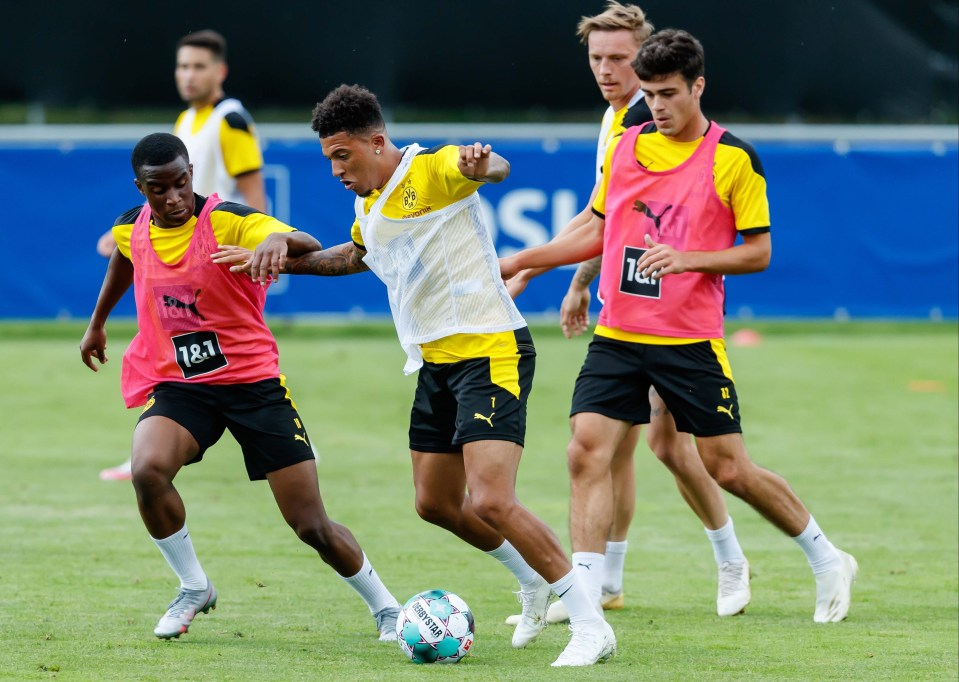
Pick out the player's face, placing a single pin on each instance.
(611, 55)
(354, 161)
(199, 75)
(675, 105)
(169, 191)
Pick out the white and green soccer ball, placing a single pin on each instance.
(435, 626)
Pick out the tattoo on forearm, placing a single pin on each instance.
(344, 259)
(587, 270)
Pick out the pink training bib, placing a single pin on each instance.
(678, 207)
(198, 322)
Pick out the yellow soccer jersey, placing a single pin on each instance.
(232, 224)
(432, 182)
(241, 151)
(737, 173)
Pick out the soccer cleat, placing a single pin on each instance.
(386, 623)
(182, 610)
(533, 618)
(834, 590)
(122, 472)
(733, 594)
(557, 613)
(590, 643)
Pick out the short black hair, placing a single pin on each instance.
(667, 52)
(350, 109)
(208, 40)
(157, 149)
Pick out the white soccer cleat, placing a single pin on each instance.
(386, 623)
(557, 613)
(834, 590)
(182, 610)
(592, 643)
(532, 620)
(733, 594)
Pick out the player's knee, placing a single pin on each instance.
(584, 461)
(728, 474)
(493, 508)
(315, 532)
(149, 476)
(433, 511)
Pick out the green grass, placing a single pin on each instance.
(831, 407)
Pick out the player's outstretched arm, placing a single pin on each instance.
(342, 259)
(580, 245)
(742, 259)
(270, 256)
(118, 279)
(479, 162)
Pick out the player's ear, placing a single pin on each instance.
(698, 86)
(136, 181)
(378, 140)
(191, 171)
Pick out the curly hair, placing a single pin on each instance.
(350, 109)
(668, 52)
(157, 149)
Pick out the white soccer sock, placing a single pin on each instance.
(369, 586)
(573, 593)
(507, 555)
(179, 553)
(820, 553)
(725, 544)
(613, 567)
(589, 568)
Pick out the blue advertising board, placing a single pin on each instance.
(867, 231)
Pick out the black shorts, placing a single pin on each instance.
(261, 416)
(694, 380)
(473, 400)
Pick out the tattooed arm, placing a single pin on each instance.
(342, 259)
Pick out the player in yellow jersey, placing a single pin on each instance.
(612, 39)
(676, 196)
(419, 227)
(220, 137)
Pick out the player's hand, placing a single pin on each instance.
(574, 311)
(236, 256)
(269, 258)
(474, 160)
(94, 345)
(517, 284)
(508, 268)
(660, 260)
(106, 243)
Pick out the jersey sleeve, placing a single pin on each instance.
(123, 230)
(446, 175)
(599, 203)
(356, 236)
(250, 229)
(241, 149)
(748, 199)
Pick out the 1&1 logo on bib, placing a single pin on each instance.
(632, 281)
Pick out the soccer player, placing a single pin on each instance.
(220, 137)
(420, 229)
(675, 195)
(612, 39)
(204, 361)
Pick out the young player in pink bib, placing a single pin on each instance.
(203, 362)
(678, 192)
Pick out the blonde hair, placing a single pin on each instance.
(616, 17)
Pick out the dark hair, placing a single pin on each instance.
(157, 149)
(208, 40)
(668, 52)
(350, 109)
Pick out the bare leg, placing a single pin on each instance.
(624, 486)
(678, 452)
(491, 477)
(297, 494)
(728, 462)
(441, 499)
(160, 449)
(590, 455)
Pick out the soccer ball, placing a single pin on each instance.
(435, 626)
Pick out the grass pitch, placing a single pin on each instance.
(861, 419)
